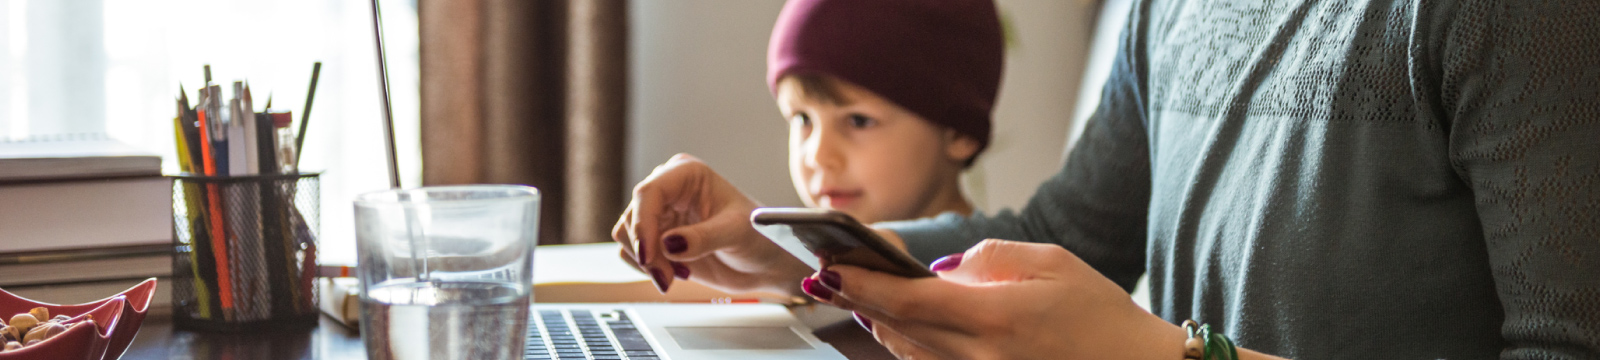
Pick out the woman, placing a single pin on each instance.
(1310, 179)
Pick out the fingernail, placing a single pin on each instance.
(830, 279)
(947, 263)
(816, 290)
(864, 321)
(661, 279)
(675, 244)
(680, 270)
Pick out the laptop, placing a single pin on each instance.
(657, 331)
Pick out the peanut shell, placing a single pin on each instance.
(24, 322)
(44, 332)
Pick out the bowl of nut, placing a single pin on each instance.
(61, 336)
(94, 330)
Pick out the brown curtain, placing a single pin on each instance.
(533, 93)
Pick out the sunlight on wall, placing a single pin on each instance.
(114, 66)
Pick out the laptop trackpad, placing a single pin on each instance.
(737, 338)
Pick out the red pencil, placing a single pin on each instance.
(219, 235)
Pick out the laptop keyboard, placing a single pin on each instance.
(572, 334)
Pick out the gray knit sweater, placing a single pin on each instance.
(1341, 179)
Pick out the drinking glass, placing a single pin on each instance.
(446, 272)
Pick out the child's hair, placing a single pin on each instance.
(940, 59)
(816, 88)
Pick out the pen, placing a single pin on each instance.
(247, 119)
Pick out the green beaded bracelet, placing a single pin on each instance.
(1206, 345)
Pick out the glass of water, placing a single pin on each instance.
(446, 272)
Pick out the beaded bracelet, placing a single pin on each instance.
(1205, 345)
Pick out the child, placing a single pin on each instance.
(887, 101)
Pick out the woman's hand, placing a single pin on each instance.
(1001, 300)
(685, 221)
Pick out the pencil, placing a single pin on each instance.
(219, 247)
(185, 163)
(300, 139)
(187, 139)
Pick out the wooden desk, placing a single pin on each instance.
(331, 341)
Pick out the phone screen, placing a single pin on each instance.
(818, 236)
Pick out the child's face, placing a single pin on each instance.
(870, 158)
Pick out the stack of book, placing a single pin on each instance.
(82, 217)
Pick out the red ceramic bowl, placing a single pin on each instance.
(121, 322)
(84, 340)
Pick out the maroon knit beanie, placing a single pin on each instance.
(941, 59)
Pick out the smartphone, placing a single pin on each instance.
(813, 235)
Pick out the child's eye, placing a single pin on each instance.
(800, 119)
(861, 121)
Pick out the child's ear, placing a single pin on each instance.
(959, 147)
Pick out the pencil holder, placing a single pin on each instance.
(245, 251)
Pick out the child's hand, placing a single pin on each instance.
(1001, 300)
(686, 221)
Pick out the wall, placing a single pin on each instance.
(698, 70)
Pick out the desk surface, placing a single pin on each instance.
(158, 339)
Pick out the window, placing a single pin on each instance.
(114, 67)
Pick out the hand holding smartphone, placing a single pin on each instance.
(820, 235)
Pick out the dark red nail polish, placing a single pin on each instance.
(947, 263)
(680, 270)
(661, 279)
(675, 244)
(816, 290)
(864, 321)
(830, 279)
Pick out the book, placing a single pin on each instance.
(82, 213)
(340, 299)
(87, 265)
(73, 157)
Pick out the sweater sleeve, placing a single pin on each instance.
(1520, 94)
(1096, 206)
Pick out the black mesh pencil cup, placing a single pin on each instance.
(245, 251)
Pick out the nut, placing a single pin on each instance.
(24, 322)
(44, 332)
(39, 313)
(11, 333)
(12, 345)
(60, 318)
(31, 342)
